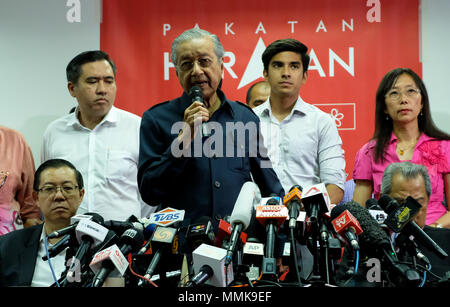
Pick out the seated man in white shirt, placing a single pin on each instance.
(58, 190)
(101, 140)
(303, 142)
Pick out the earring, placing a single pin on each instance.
(387, 117)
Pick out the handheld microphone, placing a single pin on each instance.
(316, 201)
(195, 93)
(292, 200)
(224, 233)
(113, 258)
(241, 215)
(346, 224)
(400, 220)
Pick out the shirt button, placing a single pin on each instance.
(217, 184)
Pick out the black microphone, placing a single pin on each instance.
(131, 240)
(406, 226)
(58, 247)
(292, 200)
(162, 239)
(201, 277)
(375, 243)
(71, 228)
(372, 204)
(195, 93)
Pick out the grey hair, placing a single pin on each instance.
(409, 171)
(193, 34)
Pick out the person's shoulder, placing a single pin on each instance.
(14, 235)
(164, 106)
(127, 114)
(243, 109)
(10, 133)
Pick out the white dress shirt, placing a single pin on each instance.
(305, 148)
(106, 156)
(42, 276)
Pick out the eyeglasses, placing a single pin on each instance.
(396, 95)
(67, 190)
(187, 65)
(3, 177)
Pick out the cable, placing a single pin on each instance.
(49, 261)
(356, 261)
(294, 254)
(130, 259)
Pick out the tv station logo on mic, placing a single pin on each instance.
(167, 216)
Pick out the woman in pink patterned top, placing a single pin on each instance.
(17, 206)
(405, 131)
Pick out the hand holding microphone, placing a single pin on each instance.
(196, 111)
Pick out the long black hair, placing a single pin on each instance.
(383, 127)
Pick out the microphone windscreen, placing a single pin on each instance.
(372, 204)
(373, 235)
(243, 208)
(336, 211)
(388, 204)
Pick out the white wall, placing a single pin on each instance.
(37, 42)
(436, 58)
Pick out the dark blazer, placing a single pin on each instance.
(18, 253)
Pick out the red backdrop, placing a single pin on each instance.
(352, 45)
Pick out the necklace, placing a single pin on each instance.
(402, 150)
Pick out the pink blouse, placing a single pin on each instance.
(16, 200)
(432, 153)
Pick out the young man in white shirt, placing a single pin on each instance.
(303, 142)
(101, 140)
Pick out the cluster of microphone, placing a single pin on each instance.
(258, 245)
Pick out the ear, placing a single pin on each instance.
(305, 77)
(266, 75)
(71, 87)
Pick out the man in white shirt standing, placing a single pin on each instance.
(101, 140)
(302, 141)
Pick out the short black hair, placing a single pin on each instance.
(287, 44)
(73, 69)
(56, 163)
(249, 91)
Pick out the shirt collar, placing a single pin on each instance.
(423, 138)
(112, 117)
(299, 107)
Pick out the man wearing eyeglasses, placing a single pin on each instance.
(204, 182)
(58, 190)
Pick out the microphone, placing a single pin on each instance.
(224, 232)
(272, 216)
(253, 255)
(89, 233)
(292, 200)
(195, 93)
(346, 224)
(316, 201)
(69, 229)
(162, 239)
(113, 258)
(241, 215)
(58, 247)
(213, 257)
(375, 242)
(375, 210)
(200, 232)
(400, 220)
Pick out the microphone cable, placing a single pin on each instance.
(130, 259)
(294, 254)
(49, 262)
